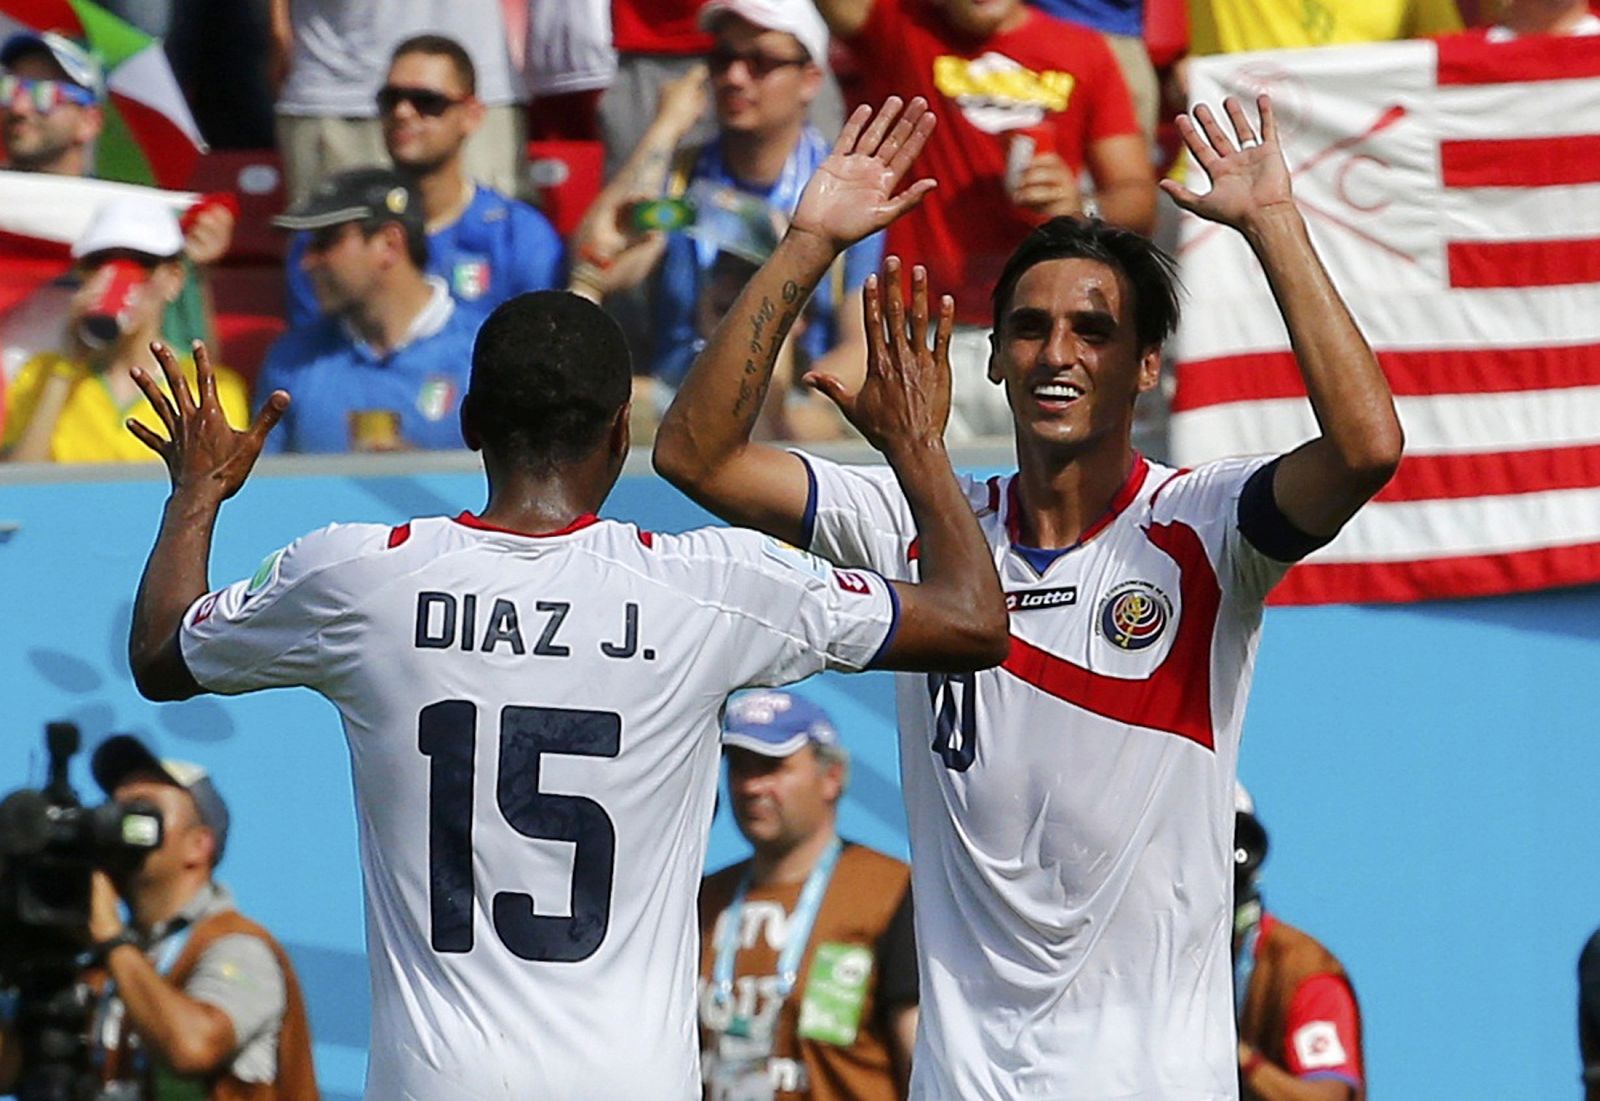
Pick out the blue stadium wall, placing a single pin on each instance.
(1428, 773)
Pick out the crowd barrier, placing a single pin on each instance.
(1426, 771)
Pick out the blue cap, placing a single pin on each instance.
(776, 724)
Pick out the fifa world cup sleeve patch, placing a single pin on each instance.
(266, 574)
(792, 557)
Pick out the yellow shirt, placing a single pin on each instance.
(90, 428)
(1235, 26)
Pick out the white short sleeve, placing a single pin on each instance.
(784, 613)
(857, 515)
(1207, 500)
(264, 632)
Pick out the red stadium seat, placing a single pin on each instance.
(567, 176)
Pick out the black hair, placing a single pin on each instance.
(1148, 269)
(439, 45)
(549, 372)
(416, 234)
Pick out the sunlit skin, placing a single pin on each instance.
(982, 18)
(345, 271)
(1068, 356)
(781, 802)
(56, 141)
(761, 106)
(416, 142)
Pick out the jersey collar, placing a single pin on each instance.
(467, 519)
(1119, 504)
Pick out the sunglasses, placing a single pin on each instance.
(760, 65)
(424, 101)
(42, 95)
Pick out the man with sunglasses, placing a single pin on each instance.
(766, 68)
(486, 246)
(49, 91)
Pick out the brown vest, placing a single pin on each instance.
(1285, 958)
(296, 1078)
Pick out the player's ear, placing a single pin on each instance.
(469, 433)
(1149, 368)
(619, 437)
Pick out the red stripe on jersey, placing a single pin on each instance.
(1521, 162)
(1469, 59)
(648, 538)
(1262, 376)
(1561, 262)
(1439, 578)
(399, 535)
(1176, 698)
(466, 519)
(1486, 474)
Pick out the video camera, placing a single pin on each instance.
(50, 846)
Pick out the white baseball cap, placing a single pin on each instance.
(797, 17)
(131, 222)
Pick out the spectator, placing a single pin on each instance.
(1025, 103)
(70, 404)
(52, 120)
(329, 58)
(385, 366)
(764, 75)
(1520, 18)
(1235, 26)
(1122, 23)
(1299, 1025)
(808, 970)
(1589, 1016)
(197, 1000)
(485, 246)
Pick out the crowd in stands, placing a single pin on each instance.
(402, 131)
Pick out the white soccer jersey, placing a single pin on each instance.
(1071, 812)
(533, 727)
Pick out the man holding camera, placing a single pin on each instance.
(192, 1000)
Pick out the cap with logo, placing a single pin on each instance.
(797, 17)
(359, 195)
(77, 63)
(134, 223)
(776, 724)
(121, 755)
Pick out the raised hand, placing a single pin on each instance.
(203, 453)
(852, 193)
(905, 399)
(1247, 180)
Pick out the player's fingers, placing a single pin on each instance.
(1180, 194)
(1242, 129)
(205, 376)
(919, 309)
(852, 130)
(177, 385)
(148, 437)
(1269, 120)
(1209, 123)
(895, 312)
(910, 197)
(832, 388)
(879, 126)
(912, 147)
(900, 133)
(872, 315)
(271, 413)
(1195, 142)
(941, 333)
(157, 399)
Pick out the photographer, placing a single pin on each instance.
(191, 998)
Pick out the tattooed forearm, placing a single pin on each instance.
(768, 328)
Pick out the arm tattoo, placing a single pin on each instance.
(767, 331)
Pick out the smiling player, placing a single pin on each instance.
(1070, 813)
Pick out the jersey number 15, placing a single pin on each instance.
(447, 734)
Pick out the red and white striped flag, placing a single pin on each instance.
(1453, 189)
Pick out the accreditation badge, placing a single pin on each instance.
(835, 992)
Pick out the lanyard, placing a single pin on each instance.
(782, 196)
(1244, 966)
(167, 955)
(800, 923)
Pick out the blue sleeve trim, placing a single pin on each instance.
(808, 519)
(1332, 1076)
(894, 623)
(1263, 523)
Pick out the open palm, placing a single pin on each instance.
(1247, 178)
(852, 193)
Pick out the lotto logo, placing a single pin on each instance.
(852, 582)
(207, 606)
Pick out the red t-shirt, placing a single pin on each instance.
(658, 27)
(1322, 1032)
(1046, 73)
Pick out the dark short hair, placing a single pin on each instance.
(439, 45)
(1148, 269)
(416, 237)
(549, 372)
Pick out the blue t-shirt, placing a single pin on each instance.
(496, 250)
(681, 274)
(329, 375)
(1105, 16)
